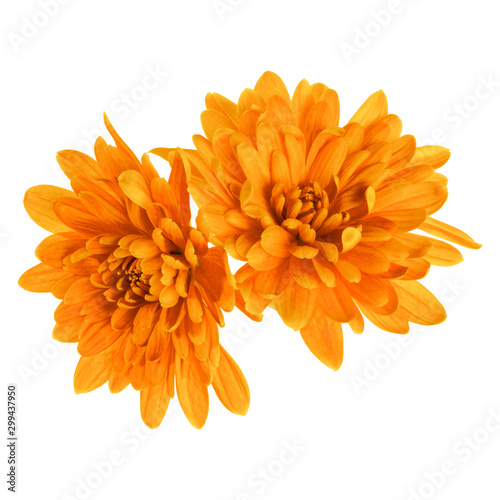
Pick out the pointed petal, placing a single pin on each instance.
(296, 305)
(230, 385)
(41, 278)
(324, 338)
(94, 371)
(39, 203)
(373, 109)
(154, 404)
(447, 232)
(419, 304)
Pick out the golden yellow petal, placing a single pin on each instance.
(154, 404)
(296, 305)
(269, 85)
(41, 278)
(324, 338)
(92, 372)
(373, 109)
(135, 188)
(447, 232)
(230, 385)
(39, 203)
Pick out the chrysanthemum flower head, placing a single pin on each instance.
(323, 215)
(141, 290)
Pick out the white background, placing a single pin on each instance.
(376, 429)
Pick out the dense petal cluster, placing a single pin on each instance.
(141, 290)
(323, 215)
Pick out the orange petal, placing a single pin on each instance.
(212, 120)
(295, 145)
(433, 156)
(328, 162)
(394, 323)
(73, 213)
(219, 102)
(194, 307)
(357, 324)
(303, 251)
(39, 203)
(442, 254)
(66, 332)
(324, 270)
(94, 371)
(373, 109)
(276, 241)
(154, 404)
(320, 117)
(302, 101)
(419, 304)
(447, 232)
(337, 302)
(41, 278)
(400, 220)
(261, 260)
(53, 249)
(212, 273)
(348, 270)
(113, 215)
(269, 85)
(269, 284)
(254, 167)
(135, 188)
(230, 385)
(329, 250)
(304, 273)
(324, 338)
(74, 163)
(296, 305)
(144, 248)
(80, 292)
(368, 259)
(95, 338)
(350, 238)
(417, 269)
(118, 382)
(193, 394)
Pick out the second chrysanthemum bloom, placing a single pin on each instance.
(323, 214)
(141, 290)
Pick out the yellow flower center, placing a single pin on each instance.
(307, 204)
(127, 284)
(307, 213)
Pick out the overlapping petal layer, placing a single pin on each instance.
(322, 215)
(141, 290)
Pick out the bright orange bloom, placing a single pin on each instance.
(141, 290)
(323, 214)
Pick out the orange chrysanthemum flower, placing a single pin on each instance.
(323, 214)
(141, 290)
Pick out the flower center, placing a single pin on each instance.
(131, 272)
(127, 284)
(306, 203)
